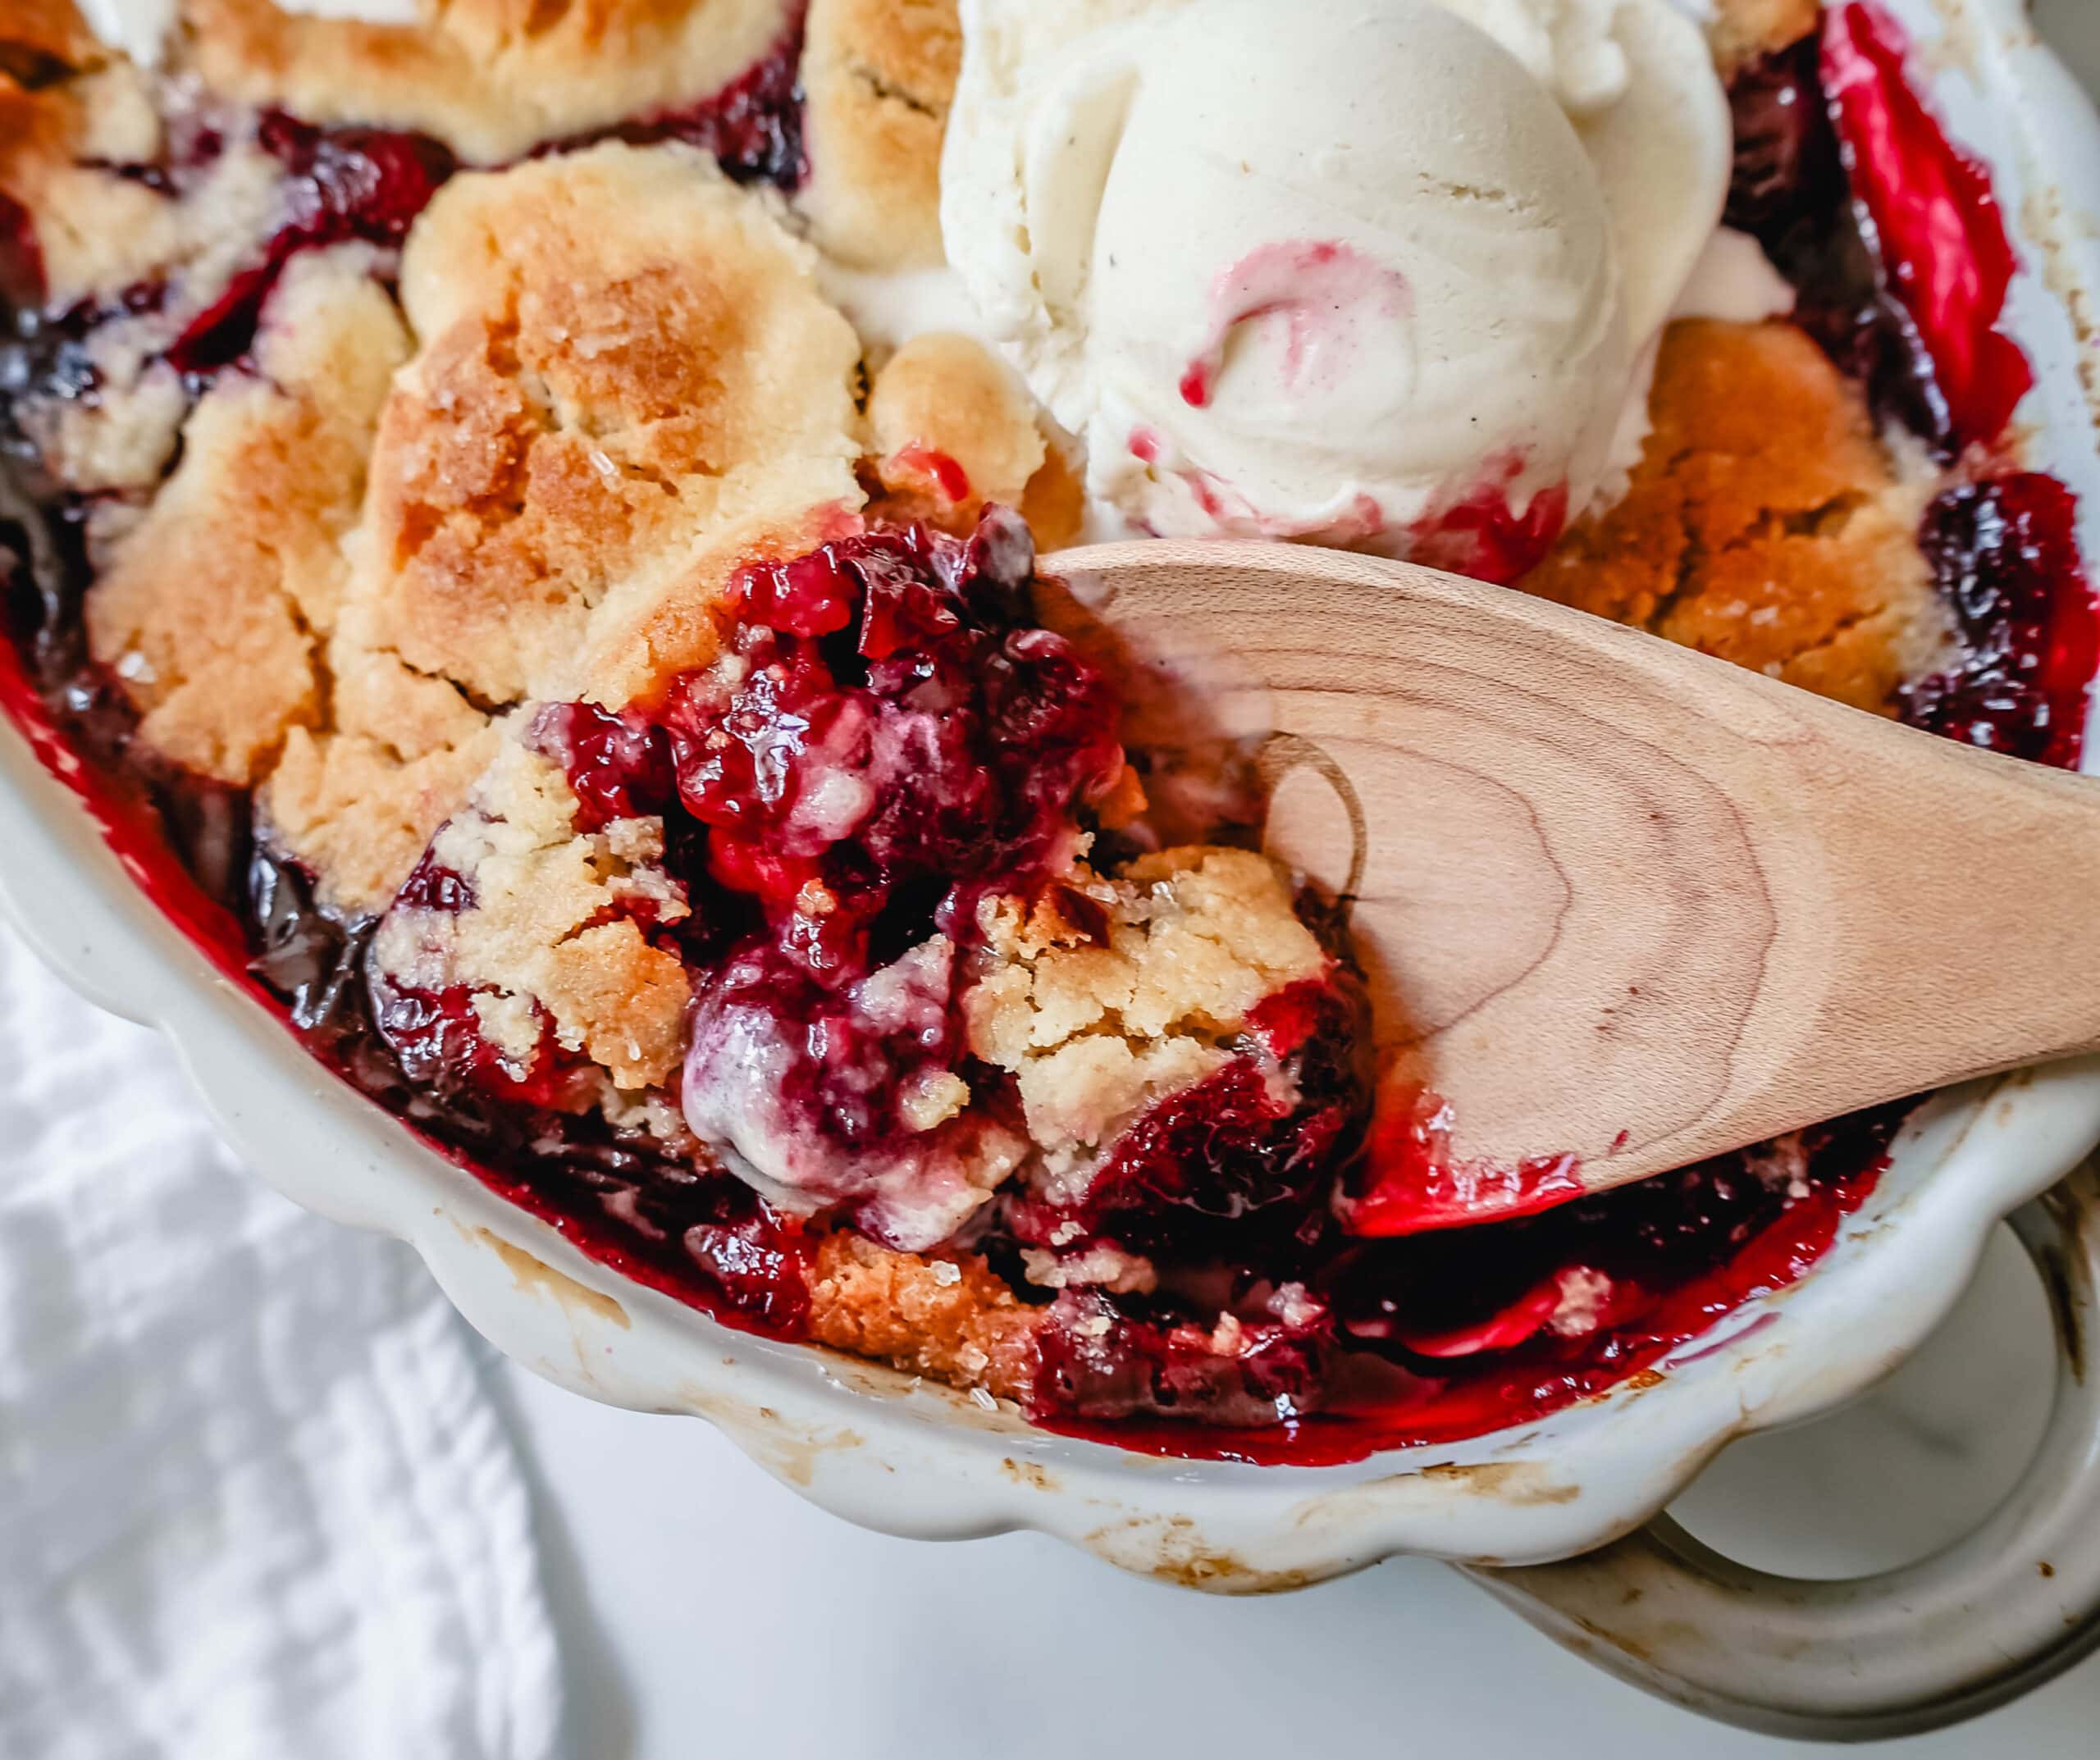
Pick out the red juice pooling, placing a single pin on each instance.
(1414, 1186)
(1936, 223)
(1667, 1259)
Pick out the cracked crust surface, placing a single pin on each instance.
(1099, 1012)
(602, 420)
(1766, 522)
(492, 78)
(878, 77)
(614, 345)
(210, 609)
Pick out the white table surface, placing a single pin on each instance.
(710, 1613)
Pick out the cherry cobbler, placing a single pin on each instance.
(526, 589)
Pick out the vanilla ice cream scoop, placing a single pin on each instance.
(1380, 272)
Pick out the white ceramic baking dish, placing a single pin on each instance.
(1561, 1518)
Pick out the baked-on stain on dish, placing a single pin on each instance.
(1525, 1484)
(535, 1274)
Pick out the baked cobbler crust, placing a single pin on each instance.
(614, 345)
(492, 78)
(1767, 522)
(877, 76)
(210, 610)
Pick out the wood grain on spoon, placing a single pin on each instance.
(1621, 906)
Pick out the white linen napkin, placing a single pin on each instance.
(254, 1500)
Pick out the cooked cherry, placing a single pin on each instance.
(2005, 555)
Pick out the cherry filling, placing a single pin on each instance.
(21, 257)
(889, 735)
(2005, 554)
(753, 126)
(1889, 232)
(1100, 1363)
(884, 742)
(341, 185)
(1931, 220)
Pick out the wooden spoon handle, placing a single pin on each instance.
(1617, 899)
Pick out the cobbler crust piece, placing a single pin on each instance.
(877, 76)
(210, 610)
(616, 345)
(1742, 29)
(951, 1318)
(69, 112)
(492, 78)
(952, 427)
(1106, 994)
(625, 384)
(1766, 522)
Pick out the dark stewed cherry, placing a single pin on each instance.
(2004, 554)
(341, 184)
(753, 126)
(1100, 1358)
(619, 766)
(1241, 1162)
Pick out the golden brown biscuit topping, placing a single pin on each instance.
(1766, 522)
(492, 78)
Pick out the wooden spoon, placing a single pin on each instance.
(1621, 906)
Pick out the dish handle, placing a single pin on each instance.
(1916, 1648)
